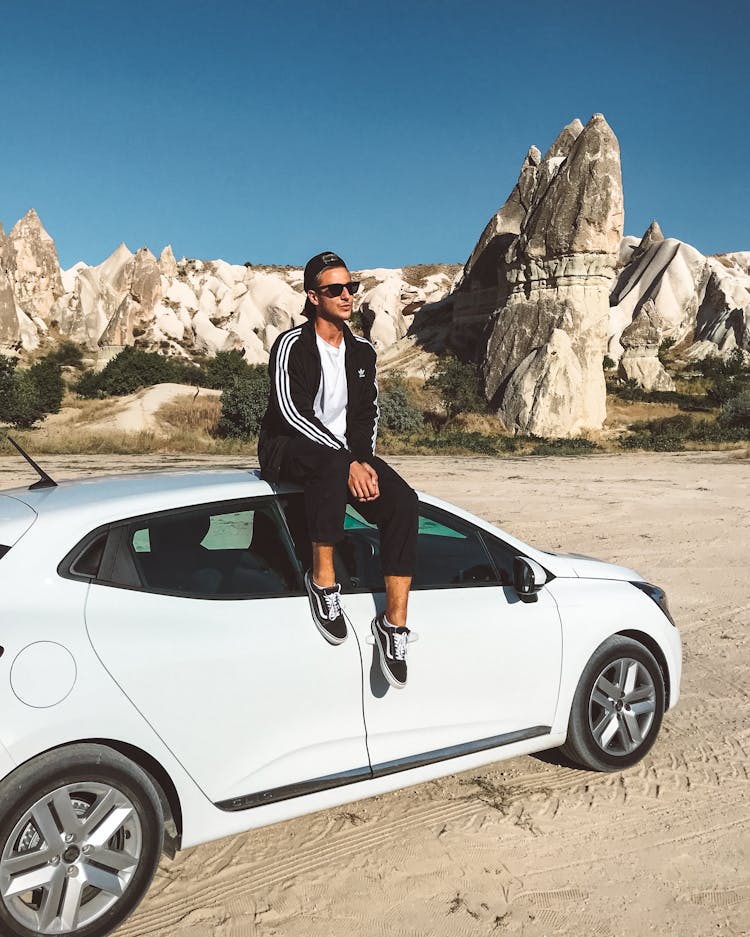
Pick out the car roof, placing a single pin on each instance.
(137, 493)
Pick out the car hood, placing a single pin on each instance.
(586, 567)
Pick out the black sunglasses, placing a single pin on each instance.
(336, 289)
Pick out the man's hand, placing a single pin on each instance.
(363, 481)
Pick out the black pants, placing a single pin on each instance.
(324, 474)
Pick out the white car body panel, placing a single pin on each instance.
(592, 611)
(15, 519)
(146, 688)
(226, 686)
(472, 696)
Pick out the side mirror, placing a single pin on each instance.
(528, 576)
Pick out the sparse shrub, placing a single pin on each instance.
(244, 403)
(664, 347)
(472, 442)
(576, 446)
(458, 385)
(671, 434)
(397, 411)
(608, 363)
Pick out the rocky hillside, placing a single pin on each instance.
(551, 287)
(186, 307)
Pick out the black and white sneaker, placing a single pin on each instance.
(391, 644)
(326, 610)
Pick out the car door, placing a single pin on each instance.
(201, 618)
(486, 666)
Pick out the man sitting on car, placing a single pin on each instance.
(319, 430)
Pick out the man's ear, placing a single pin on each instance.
(313, 297)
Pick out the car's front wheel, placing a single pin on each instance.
(617, 708)
(81, 833)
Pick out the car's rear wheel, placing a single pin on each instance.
(81, 832)
(617, 708)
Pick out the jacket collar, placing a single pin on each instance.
(308, 333)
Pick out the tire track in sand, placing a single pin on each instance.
(258, 876)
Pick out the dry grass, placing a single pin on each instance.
(89, 411)
(485, 423)
(61, 441)
(191, 414)
(621, 413)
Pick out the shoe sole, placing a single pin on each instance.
(330, 638)
(396, 684)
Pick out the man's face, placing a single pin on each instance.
(332, 308)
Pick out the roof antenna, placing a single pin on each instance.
(44, 480)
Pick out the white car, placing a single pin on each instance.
(163, 683)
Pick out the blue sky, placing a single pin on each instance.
(387, 132)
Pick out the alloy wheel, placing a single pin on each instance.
(70, 857)
(622, 706)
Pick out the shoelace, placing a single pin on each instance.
(399, 646)
(332, 601)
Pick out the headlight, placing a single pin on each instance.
(658, 595)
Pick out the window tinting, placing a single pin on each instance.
(214, 553)
(87, 564)
(3, 550)
(449, 555)
(502, 556)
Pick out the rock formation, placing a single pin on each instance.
(36, 269)
(640, 358)
(543, 362)
(667, 272)
(9, 331)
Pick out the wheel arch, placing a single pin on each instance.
(652, 645)
(164, 784)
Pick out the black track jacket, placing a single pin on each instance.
(294, 370)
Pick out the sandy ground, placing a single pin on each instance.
(528, 847)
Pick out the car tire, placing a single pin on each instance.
(617, 707)
(81, 833)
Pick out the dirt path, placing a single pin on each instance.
(529, 847)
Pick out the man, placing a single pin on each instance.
(319, 430)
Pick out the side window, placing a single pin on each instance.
(502, 556)
(214, 552)
(449, 553)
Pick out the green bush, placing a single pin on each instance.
(24, 406)
(735, 412)
(457, 382)
(397, 411)
(225, 369)
(128, 372)
(66, 354)
(27, 396)
(608, 363)
(244, 403)
(47, 377)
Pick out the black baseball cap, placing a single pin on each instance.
(315, 266)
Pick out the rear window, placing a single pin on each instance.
(3, 550)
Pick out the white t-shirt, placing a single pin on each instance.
(332, 396)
